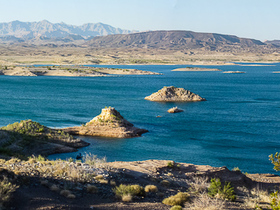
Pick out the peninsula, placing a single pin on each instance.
(28, 138)
(173, 94)
(69, 70)
(109, 123)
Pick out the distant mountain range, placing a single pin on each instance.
(99, 35)
(181, 40)
(22, 31)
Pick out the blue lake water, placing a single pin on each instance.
(238, 125)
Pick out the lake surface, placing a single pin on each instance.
(238, 125)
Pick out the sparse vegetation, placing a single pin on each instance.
(6, 188)
(218, 190)
(151, 188)
(275, 160)
(131, 190)
(178, 199)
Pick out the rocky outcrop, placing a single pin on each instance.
(234, 72)
(175, 110)
(173, 94)
(109, 123)
(31, 138)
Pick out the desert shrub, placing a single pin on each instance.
(217, 190)
(133, 190)
(6, 188)
(178, 199)
(199, 184)
(165, 183)
(92, 189)
(93, 160)
(275, 201)
(171, 164)
(151, 188)
(65, 193)
(177, 207)
(236, 169)
(203, 201)
(71, 196)
(54, 188)
(127, 198)
(275, 160)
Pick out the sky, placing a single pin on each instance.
(258, 19)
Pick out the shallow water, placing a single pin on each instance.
(238, 125)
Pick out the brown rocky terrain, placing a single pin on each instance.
(171, 93)
(109, 123)
(75, 185)
(174, 110)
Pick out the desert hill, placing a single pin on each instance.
(180, 40)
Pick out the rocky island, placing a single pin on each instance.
(195, 69)
(173, 94)
(28, 138)
(234, 72)
(69, 71)
(109, 123)
(175, 110)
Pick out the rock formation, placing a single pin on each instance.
(175, 110)
(172, 94)
(108, 124)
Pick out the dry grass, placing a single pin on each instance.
(127, 198)
(151, 188)
(256, 197)
(199, 184)
(178, 199)
(203, 201)
(6, 188)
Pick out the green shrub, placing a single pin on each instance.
(217, 190)
(178, 199)
(177, 207)
(6, 188)
(275, 160)
(133, 190)
(275, 201)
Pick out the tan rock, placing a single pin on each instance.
(175, 110)
(171, 94)
(109, 123)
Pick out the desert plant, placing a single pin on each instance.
(275, 201)
(133, 190)
(151, 188)
(217, 190)
(199, 184)
(92, 189)
(203, 201)
(177, 207)
(178, 199)
(275, 160)
(6, 188)
(127, 198)
(236, 169)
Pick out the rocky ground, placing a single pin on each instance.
(46, 184)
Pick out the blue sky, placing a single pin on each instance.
(259, 19)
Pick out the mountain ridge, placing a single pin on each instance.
(44, 28)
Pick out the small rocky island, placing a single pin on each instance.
(173, 94)
(175, 110)
(234, 72)
(195, 69)
(109, 123)
(28, 138)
